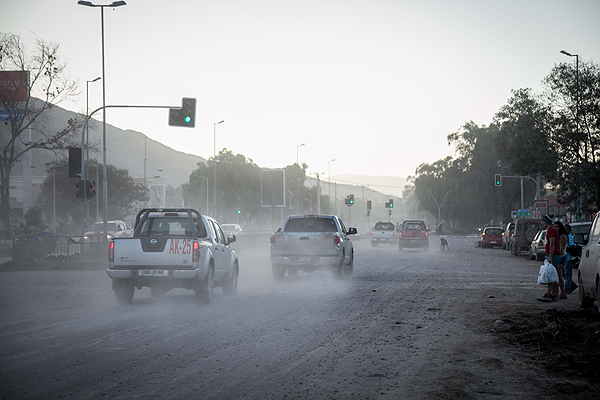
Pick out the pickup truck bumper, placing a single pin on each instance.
(308, 262)
(136, 274)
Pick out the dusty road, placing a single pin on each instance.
(408, 325)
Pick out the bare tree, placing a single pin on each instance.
(45, 85)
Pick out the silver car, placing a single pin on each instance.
(538, 250)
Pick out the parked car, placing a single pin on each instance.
(231, 228)
(588, 276)
(537, 249)
(413, 233)
(113, 229)
(491, 236)
(525, 231)
(508, 232)
(383, 232)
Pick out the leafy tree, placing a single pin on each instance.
(125, 195)
(574, 98)
(49, 82)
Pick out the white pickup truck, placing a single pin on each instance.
(173, 248)
(312, 242)
(383, 232)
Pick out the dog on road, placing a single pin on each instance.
(444, 244)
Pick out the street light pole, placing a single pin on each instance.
(297, 185)
(114, 4)
(329, 173)
(215, 165)
(87, 145)
(439, 205)
(577, 117)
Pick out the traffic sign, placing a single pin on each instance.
(5, 115)
(523, 213)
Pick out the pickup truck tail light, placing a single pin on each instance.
(336, 239)
(196, 252)
(272, 239)
(426, 233)
(111, 251)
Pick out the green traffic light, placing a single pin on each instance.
(187, 119)
(239, 211)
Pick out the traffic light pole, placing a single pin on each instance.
(537, 195)
(104, 182)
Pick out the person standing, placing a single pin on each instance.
(570, 286)
(552, 255)
(563, 243)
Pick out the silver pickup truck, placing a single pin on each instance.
(312, 242)
(173, 248)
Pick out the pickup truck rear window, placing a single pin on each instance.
(493, 231)
(170, 227)
(311, 225)
(414, 225)
(384, 226)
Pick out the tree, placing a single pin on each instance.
(124, 197)
(574, 98)
(47, 79)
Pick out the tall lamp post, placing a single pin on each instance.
(87, 133)
(297, 185)
(215, 166)
(329, 172)
(439, 206)
(577, 114)
(114, 4)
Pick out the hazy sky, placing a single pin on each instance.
(376, 85)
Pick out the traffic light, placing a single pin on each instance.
(90, 189)
(74, 162)
(351, 199)
(391, 203)
(239, 211)
(498, 180)
(368, 205)
(80, 186)
(184, 116)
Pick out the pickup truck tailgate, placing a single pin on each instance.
(157, 252)
(304, 243)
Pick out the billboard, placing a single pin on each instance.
(14, 86)
(272, 188)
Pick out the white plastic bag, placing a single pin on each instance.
(547, 274)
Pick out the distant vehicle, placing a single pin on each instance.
(413, 234)
(491, 237)
(508, 232)
(231, 228)
(588, 276)
(113, 229)
(173, 248)
(537, 250)
(312, 242)
(383, 232)
(525, 231)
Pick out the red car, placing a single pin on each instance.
(491, 236)
(413, 234)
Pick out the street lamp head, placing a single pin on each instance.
(118, 3)
(566, 53)
(332, 160)
(97, 79)
(217, 123)
(85, 3)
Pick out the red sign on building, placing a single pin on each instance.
(14, 86)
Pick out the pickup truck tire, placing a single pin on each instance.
(350, 267)
(584, 301)
(278, 272)
(204, 291)
(124, 293)
(231, 287)
(340, 271)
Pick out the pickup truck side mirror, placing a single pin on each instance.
(231, 238)
(579, 238)
(278, 229)
(352, 231)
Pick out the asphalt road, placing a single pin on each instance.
(408, 325)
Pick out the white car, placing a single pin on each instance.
(589, 267)
(231, 228)
(113, 229)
